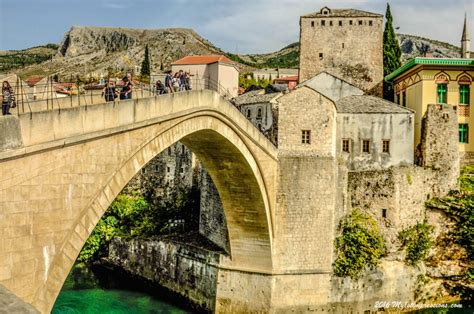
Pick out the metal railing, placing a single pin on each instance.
(51, 95)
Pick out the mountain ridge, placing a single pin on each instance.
(102, 51)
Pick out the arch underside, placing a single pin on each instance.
(230, 160)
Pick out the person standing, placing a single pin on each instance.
(8, 98)
(169, 82)
(109, 91)
(126, 89)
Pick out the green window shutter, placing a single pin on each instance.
(464, 133)
(442, 93)
(464, 94)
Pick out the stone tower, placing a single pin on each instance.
(347, 43)
(465, 41)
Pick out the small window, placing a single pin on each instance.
(182, 169)
(306, 137)
(330, 23)
(259, 113)
(320, 56)
(384, 212)
(168, 169)
(312, 23)
(340, 23)
(323, 22)
(183, 150)
(365, 146)
(463, 133)
(442, 91)
(464, 94)
(370, 23)
(386, 146)
(345, 146)
(360, 22)
(342, 45)
(169, 151)
(350, 22)
(259, 126)
(404, 98)
(248, 113)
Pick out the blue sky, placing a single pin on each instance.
(246, 26)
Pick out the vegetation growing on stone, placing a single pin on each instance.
(359, 245)
(143, 216)
(417, 241)
(391, 53)
(245, 82)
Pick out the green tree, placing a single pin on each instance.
(391, 53)
(145, 71)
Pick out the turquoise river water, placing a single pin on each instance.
(90, 292)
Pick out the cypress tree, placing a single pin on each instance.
(391, 53)
(145, 70)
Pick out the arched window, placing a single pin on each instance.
(259, 113)
(464, 90)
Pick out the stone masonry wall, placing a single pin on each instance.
(185, 270)
(351, 52)
(212, 222)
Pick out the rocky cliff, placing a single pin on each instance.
(101, 50)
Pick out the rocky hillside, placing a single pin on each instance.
(101, 50)
(14, 59)
(412, 46)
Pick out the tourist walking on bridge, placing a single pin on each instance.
(169, 82)
(8, 99)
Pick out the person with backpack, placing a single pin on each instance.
(109, 91)
(8, 100)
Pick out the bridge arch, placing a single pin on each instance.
(237, 161)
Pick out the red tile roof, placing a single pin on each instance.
(287, 78)
(202, 60)
(32, 81)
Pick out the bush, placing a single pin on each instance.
(360, 245)
(417, 242)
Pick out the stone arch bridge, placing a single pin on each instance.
(62, 168)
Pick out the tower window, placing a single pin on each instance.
(370, 23)
(384, 212)
(168, 169)
(365, 146)
(330, 23)
(464, 94)
(442, 90)
(340, 23)
(342, 45)
(386, 146)
(360, 22)
(350, 22)
(306, 137)
(320, 56)
(323, 22)
(312, 23)
(463, 133)
(345, 146)
(259, 113)
(248, 113)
